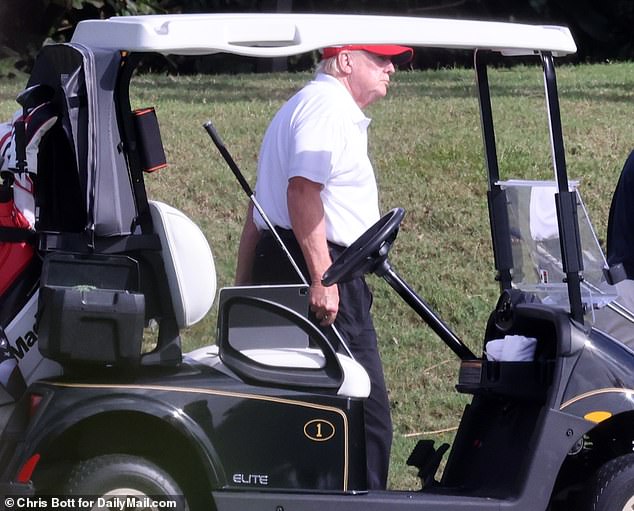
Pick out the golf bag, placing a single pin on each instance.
(19, 268)
(81, 267)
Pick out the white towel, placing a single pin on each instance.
(513, 348)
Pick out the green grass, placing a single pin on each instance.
(426, 146)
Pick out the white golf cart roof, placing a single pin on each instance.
(277, 35)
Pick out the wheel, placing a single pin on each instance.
(120, 481)
(368, 251)
(613, 486)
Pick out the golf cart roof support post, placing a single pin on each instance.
(425, 311)
(566, 200)
(498, 214)
(129, 63)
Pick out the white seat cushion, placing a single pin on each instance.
(356, 382)
(189, 263)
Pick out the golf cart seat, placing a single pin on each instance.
(188, 261)
(356, 382)
(265, 337)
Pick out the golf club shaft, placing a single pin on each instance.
(211, 130)
(247, 189)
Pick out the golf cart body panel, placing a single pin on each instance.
(247, 430)
(601, 370)
(214, 415)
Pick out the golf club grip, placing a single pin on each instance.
(225, 154)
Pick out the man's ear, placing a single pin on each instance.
(344, 62)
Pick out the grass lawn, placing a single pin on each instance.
(426, 147)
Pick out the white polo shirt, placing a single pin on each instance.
(320, 134)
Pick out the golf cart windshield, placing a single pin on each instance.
(537, 261)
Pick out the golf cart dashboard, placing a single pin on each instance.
(524, 368)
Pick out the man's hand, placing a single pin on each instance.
(324, 303)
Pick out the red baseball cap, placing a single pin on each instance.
(398, 54)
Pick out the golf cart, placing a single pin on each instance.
(271, 416)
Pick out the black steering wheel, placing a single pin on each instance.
(368, 252)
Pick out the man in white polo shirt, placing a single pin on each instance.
(316, 184)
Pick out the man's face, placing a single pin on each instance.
(369, 77)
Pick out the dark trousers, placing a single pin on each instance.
(354, 323)
(620, 239)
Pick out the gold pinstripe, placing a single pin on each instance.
(596, 392)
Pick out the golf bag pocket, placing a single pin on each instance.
(149, 140)
(90, 310)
